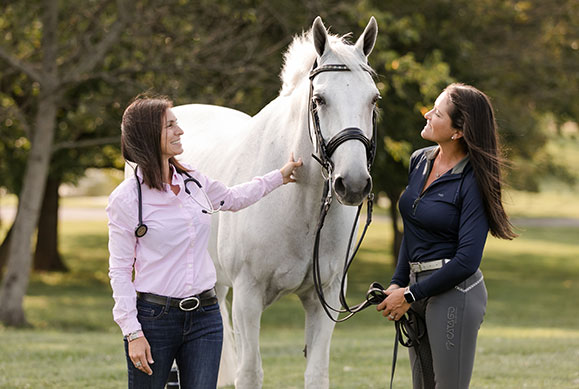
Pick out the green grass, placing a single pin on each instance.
(529, 339)
(550, 204)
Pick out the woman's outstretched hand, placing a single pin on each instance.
(288, 170)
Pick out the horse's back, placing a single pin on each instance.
(208, 132)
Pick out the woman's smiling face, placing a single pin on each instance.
(171, 136)
(438, 126)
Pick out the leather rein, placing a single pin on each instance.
(407, 330)
(324, 152)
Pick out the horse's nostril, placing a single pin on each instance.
(368, 186)
(339, 186)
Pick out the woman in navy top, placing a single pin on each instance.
(452, 201)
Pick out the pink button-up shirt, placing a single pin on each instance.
(172, 258)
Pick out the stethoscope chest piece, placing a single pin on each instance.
(141, 230)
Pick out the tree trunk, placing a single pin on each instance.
(397, 241)
(47, 256)
(16, 277)
(15, 281)
(4, 249)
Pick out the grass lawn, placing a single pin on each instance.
(530, 338)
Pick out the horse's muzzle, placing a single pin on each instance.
(352, 193)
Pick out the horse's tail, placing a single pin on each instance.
(228, 365)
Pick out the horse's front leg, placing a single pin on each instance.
(319, 330)
(247, 311)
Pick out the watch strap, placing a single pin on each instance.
(134, 335)
(409, 296)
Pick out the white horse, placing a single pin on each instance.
(265, 251)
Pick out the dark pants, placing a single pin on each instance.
(192, 339)
(452, 319)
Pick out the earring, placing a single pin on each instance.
(452, 137)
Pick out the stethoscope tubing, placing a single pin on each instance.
(142, 228)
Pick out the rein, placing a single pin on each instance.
(410, 328)
(324, 153)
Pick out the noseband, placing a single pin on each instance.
(324, 153)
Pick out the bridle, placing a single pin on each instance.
(407, 330)
(324, 152)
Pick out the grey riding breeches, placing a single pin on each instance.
(452, 319)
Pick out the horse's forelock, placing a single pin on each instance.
(301, 54)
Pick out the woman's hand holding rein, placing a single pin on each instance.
(395, 305)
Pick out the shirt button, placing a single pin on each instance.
(190, 266)
(180, 205)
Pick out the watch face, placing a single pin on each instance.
(409, 297)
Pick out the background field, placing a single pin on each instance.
(530, 338)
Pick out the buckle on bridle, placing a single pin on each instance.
(183, 304)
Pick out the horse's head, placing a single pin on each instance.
(343, 102)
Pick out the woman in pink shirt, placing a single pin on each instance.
(161, 273)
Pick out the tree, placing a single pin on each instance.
(523, 54)
(66, 64)
(519, 53)
(52, 74)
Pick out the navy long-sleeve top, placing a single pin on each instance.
(445, 221)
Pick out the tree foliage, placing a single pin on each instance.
(522, 53)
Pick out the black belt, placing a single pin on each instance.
(202, 299)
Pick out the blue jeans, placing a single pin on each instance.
(192, 339)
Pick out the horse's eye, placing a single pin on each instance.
(318, 100)
(376, 99)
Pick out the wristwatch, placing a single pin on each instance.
(134, 335)
(409, 296)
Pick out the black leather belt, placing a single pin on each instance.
(202, 299)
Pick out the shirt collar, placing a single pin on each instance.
(176, 178)
(457, 169)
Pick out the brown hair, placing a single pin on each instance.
(141, 129)
(472, 113)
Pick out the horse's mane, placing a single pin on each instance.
(301, 54)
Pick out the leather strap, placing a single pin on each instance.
(206, 298)
(418, 267)
(345, 135)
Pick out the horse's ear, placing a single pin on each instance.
(320, 36)
(368, 38)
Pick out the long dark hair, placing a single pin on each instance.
(472, 113)
(141, 129)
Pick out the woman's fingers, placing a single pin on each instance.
(140, 354)
(289, 168)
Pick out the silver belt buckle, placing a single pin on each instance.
(188, 300)
(416, 267)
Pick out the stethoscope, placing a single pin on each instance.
(142, 228)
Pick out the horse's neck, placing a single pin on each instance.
(289, 124)
(285, 119)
